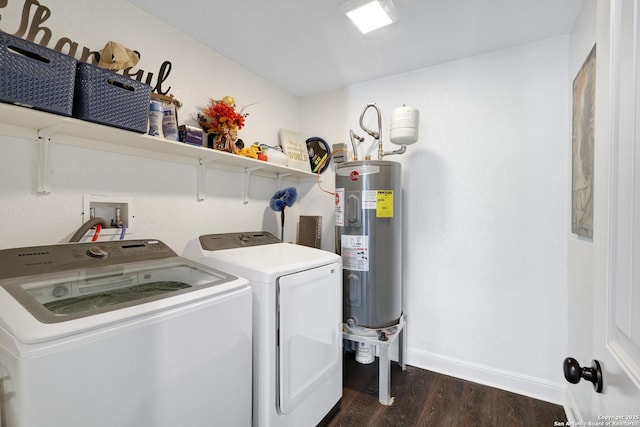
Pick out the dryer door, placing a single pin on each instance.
(310, 336)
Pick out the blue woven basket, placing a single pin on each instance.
(108, 98)
(35, 76)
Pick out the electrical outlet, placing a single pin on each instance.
(115, 210)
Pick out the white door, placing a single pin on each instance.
(310, 332)
(617, 327)
(615, 293)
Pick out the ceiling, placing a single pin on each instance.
(309, 46)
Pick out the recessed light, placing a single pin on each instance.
(369, 15)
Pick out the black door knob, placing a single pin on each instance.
(573, 373)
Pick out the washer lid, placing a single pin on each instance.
(265, 263)
(64, 299)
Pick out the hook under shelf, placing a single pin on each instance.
(280, 176)
(202, 177)
(42, 158)
(247, 182)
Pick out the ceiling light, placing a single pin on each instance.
(369, 15)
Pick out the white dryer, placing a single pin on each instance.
(122, 333)
(297, 323)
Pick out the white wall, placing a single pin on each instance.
(485, 193)
(162, 194)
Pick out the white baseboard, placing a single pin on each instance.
(536, 388)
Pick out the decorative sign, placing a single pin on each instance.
(295, 147)
(34, 15)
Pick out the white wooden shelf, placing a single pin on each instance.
(45, 127)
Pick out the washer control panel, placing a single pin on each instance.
(35, 260)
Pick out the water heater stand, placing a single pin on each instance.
(382, 344)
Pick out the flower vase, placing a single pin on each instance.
(219, 142)
(225, 139)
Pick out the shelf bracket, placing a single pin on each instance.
(42, 158)
(280, 176)
(202, 177)
(247, 182)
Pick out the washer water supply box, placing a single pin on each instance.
(35, 76)
(108, 98)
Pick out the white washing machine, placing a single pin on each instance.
(121, 333)
(297, 329)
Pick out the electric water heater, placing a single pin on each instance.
(369, 239)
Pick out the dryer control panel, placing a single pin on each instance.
(216, 242)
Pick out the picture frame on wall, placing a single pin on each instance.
(582, 147)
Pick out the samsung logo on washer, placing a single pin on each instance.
(33, 253)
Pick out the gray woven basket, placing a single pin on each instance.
(35, 76)
(108, 98)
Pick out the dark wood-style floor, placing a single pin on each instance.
(425, 398)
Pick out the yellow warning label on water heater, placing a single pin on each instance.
(384, 204)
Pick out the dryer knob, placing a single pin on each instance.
(98, 252)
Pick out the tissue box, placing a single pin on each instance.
(190, 135)
(276, 156)
(35, 76)
(108, 98)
